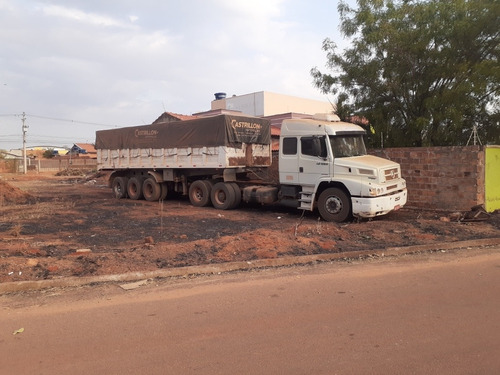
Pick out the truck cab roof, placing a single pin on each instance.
(323, 124)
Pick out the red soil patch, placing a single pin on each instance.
(12, 195)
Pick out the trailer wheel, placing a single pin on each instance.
(134, 188)
(210, 184)
(237, 193)
(119, 187)
(151, 189)
(164, 191)
(223, 196)
(199, 193)
(334, 205)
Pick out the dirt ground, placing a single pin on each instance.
(56, 226)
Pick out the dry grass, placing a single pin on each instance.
(20, 212)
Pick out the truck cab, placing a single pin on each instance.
(323, 163)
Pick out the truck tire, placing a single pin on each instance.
(199, 193)
(334, 205)
(119, 187)
(209, 184)
(151, 189)
(134, 188)
(164, 191)
(223, 196)
(237, 192)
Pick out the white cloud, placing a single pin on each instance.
(6, 6)
(255, 8)
(81, 16)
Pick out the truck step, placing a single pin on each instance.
(306, 206)
(306, 200)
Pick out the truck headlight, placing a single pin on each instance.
(376, 191)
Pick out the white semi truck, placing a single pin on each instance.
(225, 159)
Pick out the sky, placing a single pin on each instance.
(77, 66)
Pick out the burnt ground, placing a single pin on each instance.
(56, 226)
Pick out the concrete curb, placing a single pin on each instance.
(11, 287)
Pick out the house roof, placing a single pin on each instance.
(215, 112)
(170, 116)
(13, 154)
(87, 147)
(276, 120)
(275, 131)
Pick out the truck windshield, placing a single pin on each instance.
(347, 145)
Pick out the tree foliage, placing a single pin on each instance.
(48, 154)
(422, 72)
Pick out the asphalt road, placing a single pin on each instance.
(420, 314)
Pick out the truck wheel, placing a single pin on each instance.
(134, 188)
(119, 187)
(223, 196)
(164, 191)
(151, 189)
(199, 193)
(237, 193)
(334, 205)
(209, 184)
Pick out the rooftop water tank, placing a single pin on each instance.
(220, 95)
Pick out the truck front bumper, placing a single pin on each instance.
(375, 206)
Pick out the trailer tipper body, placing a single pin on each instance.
(224, 160)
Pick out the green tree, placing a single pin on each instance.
(48, 154)
(422, 72)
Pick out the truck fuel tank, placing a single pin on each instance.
(260, 194)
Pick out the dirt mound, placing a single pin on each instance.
(13, 195)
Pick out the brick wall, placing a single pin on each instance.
(447, 178)
(10, 165)
(47, 165)
(59, 164)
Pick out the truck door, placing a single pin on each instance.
(289, 161)
(313, 159)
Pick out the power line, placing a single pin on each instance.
(69, 120)
(38, 138)
(58, 119)
(34, 135)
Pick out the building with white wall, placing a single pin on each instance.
(264, 103)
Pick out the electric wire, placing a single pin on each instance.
(59, 119)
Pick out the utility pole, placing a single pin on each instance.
(25, 130)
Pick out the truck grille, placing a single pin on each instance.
(391, 174)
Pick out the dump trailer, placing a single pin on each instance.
(223, 160)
